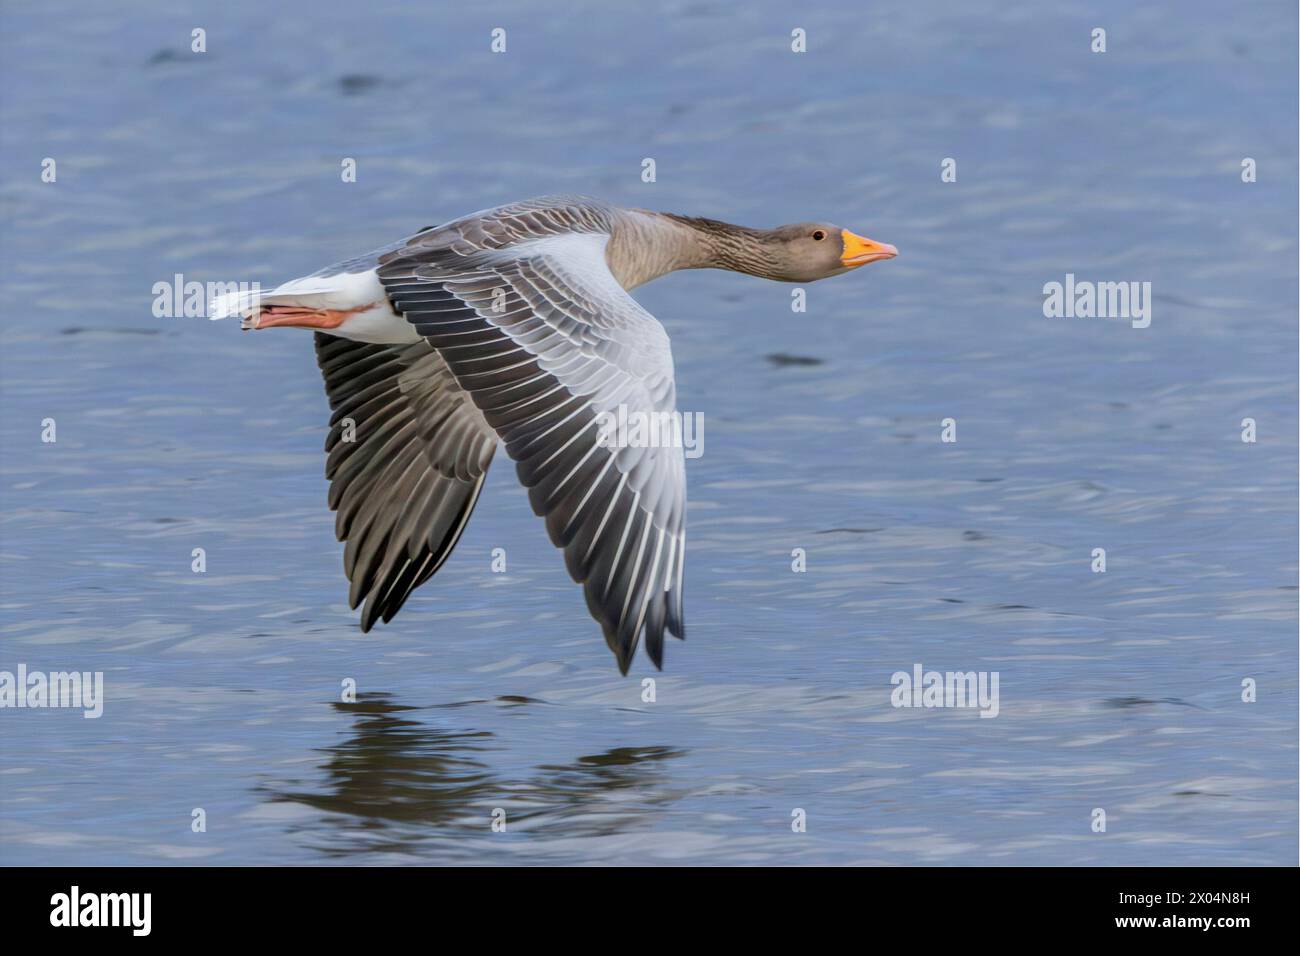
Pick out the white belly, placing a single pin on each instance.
(379, 325)
(376, 323)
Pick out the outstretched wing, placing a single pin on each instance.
(524, 310)
(407, 454)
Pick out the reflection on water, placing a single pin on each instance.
(394, 769)
(585, 798)
(396, 782)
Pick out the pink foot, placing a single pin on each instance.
(294, 316)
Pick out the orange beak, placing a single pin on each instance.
(859, 250)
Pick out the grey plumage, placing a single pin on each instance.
(515, 324)
(543, 342)
(407, 453)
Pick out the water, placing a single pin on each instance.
(1119, 691)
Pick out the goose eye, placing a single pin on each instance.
(819, 235)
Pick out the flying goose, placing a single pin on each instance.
(515, 325)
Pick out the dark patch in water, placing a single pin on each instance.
(78, 330)
(354, 84)
(849, 531)
(624, 757)
(166, 56)
(1121, 702)
(781, 359)
(457, 703)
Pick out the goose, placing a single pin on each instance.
(515, 326)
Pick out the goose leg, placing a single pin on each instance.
(297, 317)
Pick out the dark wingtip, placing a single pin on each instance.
(368, 615)
(654, 648)
(624, 653)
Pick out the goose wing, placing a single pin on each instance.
(407, 453)
(522, 306)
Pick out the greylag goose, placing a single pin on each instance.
(515, 325)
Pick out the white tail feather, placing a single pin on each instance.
(347, 290)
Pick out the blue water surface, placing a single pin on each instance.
(1120, 691)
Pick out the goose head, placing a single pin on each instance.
(799, 252)
(808, 251)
